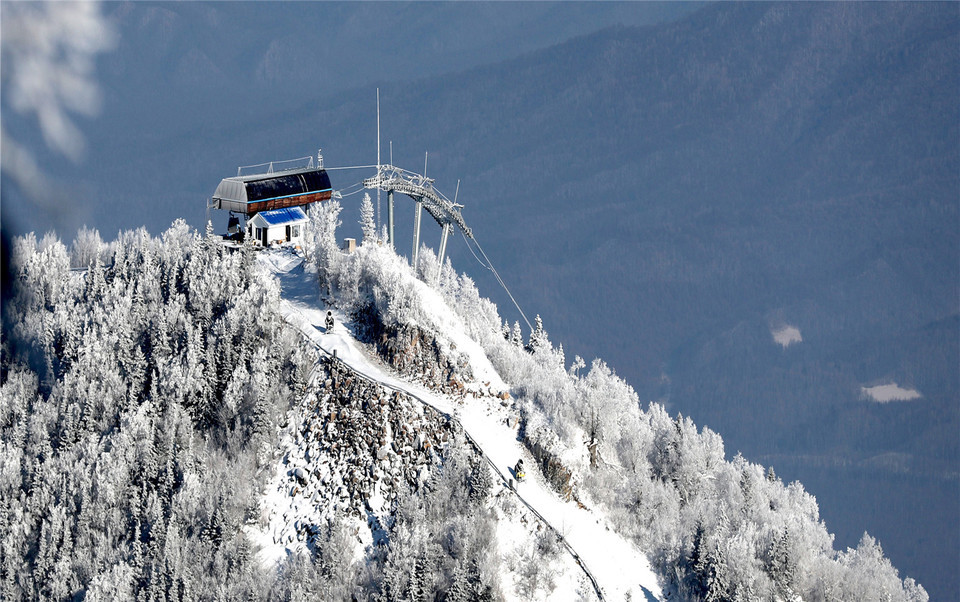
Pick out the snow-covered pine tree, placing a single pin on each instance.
(781, 565)
(538, 338)
(367, 223)
(480, 482)
(459, 590)
(516, 337)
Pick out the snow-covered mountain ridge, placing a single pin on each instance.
(150, 397)
(710, 527)
(490, 423)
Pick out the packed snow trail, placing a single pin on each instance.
(619, 571)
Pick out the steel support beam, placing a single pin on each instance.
(390, 238)
(420, 189)
(416, 234)
(443, 248)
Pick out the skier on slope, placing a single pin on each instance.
(518, 470)
(329, 321)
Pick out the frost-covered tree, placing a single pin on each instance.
(516, 337)
(132, 433)
(367, 223)
(577, 365)
(538, 338)
(658, 476)
(320, 240)
(87, 248)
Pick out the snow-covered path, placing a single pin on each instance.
(619, 568)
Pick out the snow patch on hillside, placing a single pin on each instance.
(786, 335)
(280, 262)
(538, 568)
(447, 324)
(890, 392)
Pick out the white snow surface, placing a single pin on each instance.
(890, 392)
(786, 335)
(620, 569)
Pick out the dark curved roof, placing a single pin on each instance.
(287, 185)
(260, 187)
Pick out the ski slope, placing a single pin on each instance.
(619, 569)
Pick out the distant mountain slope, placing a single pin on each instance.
(246, 56)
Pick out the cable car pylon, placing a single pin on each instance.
(421, 189)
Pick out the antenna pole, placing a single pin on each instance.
(378, 157)
(390, 236)
(425, 155)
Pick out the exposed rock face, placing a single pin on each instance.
(559, 476)
(413, 353)
(357, 446)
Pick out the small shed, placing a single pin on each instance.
(277, 226)
(263, 192)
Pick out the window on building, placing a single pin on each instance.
(295, 231)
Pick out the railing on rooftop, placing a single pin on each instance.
(275, 166)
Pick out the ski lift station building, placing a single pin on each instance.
(272, 202)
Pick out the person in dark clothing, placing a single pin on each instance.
(518, 469)
(329, 321)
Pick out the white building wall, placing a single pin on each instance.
(276, 233)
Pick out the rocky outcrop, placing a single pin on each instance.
(414, 353)
(559, 476)
(355, 447)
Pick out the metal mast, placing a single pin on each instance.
(378, 158)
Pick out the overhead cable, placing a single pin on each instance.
(489, 266)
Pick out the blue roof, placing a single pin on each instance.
(277, 217)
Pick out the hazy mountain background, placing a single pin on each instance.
(663, 185)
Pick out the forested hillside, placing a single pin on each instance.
(715, 529)
(137, 393)
(142, 396)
